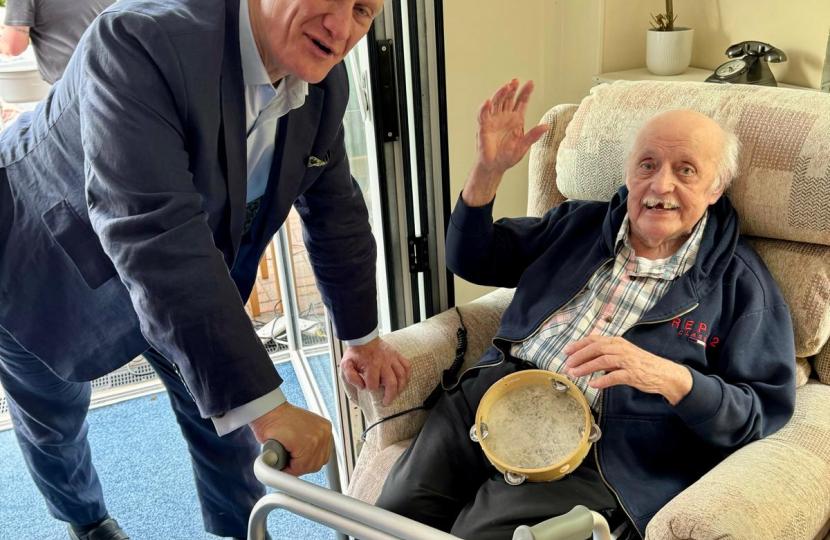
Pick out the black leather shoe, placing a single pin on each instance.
(109, 529)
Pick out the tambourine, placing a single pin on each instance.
(534, 425)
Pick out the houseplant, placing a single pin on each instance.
(668, 47)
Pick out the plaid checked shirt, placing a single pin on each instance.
(615, 298)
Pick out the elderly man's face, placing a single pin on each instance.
(671, 179)
(307, 38)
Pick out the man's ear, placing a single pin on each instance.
(715, 195)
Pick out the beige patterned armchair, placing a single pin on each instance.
(776, 488)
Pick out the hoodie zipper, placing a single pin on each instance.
(536, 331)
(599, 419)
(673, 317)
(602, 476)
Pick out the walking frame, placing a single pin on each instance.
(351, 517)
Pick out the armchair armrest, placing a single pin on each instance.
(778, 487)
(430, 348)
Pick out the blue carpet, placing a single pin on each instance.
(152, 498)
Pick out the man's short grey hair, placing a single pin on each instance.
(729, 161)
(727, 166)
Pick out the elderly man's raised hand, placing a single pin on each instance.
(627, 364)
(502, 141)
(376, 364)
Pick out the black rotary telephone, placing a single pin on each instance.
(749, 64)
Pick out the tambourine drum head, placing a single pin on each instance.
(533, 427)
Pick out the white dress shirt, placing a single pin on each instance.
(265, 104)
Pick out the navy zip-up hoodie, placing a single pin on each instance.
(724, 319)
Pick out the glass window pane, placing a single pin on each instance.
(267, 306)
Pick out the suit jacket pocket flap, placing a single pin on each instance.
(79, 242)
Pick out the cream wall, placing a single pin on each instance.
(573, 41)
(487, 44)
(798, 27)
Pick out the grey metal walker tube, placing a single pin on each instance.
(367, 522)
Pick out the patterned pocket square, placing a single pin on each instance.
(317, 162)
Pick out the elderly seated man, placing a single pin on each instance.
(653, 304)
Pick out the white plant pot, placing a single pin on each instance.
(669, 53)
(20, 81)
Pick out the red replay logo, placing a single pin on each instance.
(695, 331)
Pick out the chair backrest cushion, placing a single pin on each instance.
(822, 364)
(802, 272)
(542, 194)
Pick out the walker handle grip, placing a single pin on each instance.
(275, 455)
(575, 525)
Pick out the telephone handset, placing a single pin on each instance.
(749, 64)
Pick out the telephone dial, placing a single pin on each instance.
(749, 64)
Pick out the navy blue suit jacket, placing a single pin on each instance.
(122, 200)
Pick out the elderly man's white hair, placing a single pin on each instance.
(727, 165)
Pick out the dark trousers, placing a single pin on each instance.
(444, 479)
(49, 419)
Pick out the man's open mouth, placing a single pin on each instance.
(321, 46)
(653, 204)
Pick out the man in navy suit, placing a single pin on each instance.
(135, 204)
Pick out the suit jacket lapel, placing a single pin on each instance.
(294, 146)
(233, 159)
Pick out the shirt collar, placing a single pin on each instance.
(671, 267)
